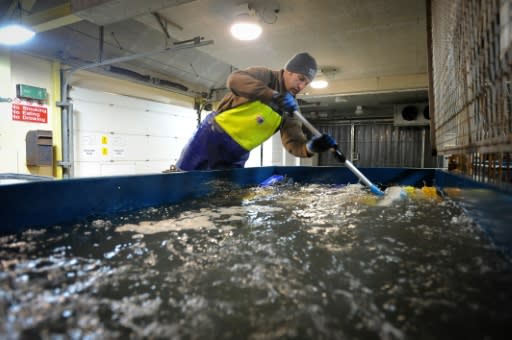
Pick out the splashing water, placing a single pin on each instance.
(291, 261)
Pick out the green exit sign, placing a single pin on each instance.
(31, 92)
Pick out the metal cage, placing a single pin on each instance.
(470, 59)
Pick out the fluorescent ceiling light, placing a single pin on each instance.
(246, 30)
(15, 35)
(319, 84)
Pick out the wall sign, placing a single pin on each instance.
(29, 113)
(31, 92)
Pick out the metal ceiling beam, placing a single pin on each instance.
(8, 13)
(27, 4)
(104, 12)
(52, 18)
(20, 5)
(100, 12)
(177, 46)
(163, 26)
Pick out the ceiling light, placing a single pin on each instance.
(246, 25)
(319, 84)
(325, 73)
(15, 34)
(246, 30)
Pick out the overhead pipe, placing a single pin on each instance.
(100, 54)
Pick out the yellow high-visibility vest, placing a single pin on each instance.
(249, 124)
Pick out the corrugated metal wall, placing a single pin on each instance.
(380, 144)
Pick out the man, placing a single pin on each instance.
(255, 108)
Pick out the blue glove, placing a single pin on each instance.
(321, 143)
(286, 102)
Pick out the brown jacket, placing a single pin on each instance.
(259, 83)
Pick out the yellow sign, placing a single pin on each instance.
(104, 140)
(104, 151)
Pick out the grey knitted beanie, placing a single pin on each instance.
(302, 63)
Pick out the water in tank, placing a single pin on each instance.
(311, 261)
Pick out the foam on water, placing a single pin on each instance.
(290, 261)
(392, 194)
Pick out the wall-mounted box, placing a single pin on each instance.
(39, 148)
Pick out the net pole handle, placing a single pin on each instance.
(339, 155)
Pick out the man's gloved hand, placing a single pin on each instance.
(321, 143)
(286, 102)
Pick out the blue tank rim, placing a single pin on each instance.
(37, 203)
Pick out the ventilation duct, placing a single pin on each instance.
(146, 78)
(129, 73)
(168, 83)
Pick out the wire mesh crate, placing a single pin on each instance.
(470, 89)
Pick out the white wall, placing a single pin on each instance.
(21, 69)
(119, 135)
